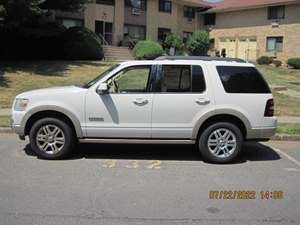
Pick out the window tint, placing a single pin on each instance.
(133, 79)
(176, 79)
(242, 80)
(189, 12)
(198, 81)
(210, 19)
(165, 6)
(276, 12)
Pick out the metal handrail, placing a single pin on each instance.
(103, 39)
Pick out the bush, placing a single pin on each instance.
(277, 63)
(82, 44)
(294, 63)
(147, 50)
(198, 43)
(174, 41)
(264, 60)
(37, 42)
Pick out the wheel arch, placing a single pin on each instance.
(55, 112)
(223, 116)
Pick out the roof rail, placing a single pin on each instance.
(202, 58)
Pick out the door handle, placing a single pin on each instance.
(202, 101)
(140, 101)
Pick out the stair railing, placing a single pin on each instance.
(104, 42)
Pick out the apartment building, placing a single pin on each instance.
(249, 29)
(139, 19)
(243, 29)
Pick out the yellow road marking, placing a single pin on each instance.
(134, 165)
(156, 164)
(110, 164)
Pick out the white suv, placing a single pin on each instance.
(212, 102)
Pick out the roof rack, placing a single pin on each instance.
(202, 58)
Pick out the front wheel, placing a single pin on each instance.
(51, 138)
(221, 142)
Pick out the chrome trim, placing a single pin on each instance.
(136, 141)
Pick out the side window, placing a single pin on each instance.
(181, 78)
(242, 80)
(130, 80)
(198, 81)
(176, 78)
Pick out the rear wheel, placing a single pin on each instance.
(51, 138)
(221, 142)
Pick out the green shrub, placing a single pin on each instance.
(147, 50)
(264, 60)
(294, 63)
(277, 63)
(82, 44)
(174, 41)
(198, 43)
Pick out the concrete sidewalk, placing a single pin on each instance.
(284, 119)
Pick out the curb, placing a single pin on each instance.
(285, 137)
(6, 130)
(277, 137)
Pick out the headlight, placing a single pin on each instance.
(21, 104)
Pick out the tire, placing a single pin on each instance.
(221, 143)
(52, 139)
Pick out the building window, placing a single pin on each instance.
(165, 6)
(135, 32)
(189, 12)
(210, 19)
(163, 33)
(274, 44)
(276, 12)
(136, 4)
(67, 23)
(106, 2)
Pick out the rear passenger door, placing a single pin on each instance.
(180, 98)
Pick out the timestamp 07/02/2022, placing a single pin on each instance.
(246, 195)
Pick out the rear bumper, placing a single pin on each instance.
(261, 133)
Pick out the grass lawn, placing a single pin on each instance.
(4, 121)
(17, 77)
(288, 129)
(283, 76)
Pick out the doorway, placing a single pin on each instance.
(105, 31)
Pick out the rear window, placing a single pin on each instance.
(242, 80)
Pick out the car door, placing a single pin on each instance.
(125, 111)
(181, 97)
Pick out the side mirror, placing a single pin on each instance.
(102, 89)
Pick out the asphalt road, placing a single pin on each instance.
(147, 184)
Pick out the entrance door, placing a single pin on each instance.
(105, 31)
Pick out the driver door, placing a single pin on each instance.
(125, 111)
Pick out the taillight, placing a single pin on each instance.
(269, 112)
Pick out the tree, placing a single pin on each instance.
(174, 41)
(198, 43)
(28, 12)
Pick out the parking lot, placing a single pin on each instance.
(147, 184)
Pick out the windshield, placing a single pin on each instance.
(91, 83)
